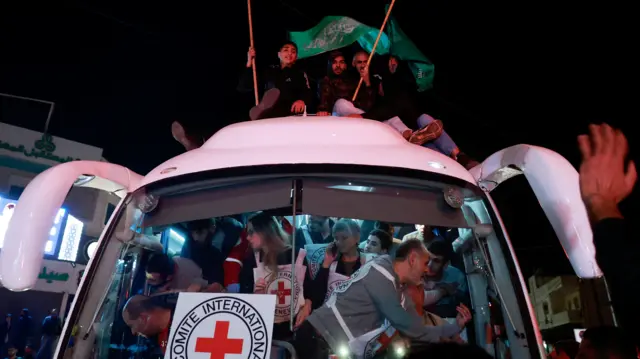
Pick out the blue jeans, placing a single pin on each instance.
(443, 144)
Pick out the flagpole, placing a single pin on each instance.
(373, 50)
(253, 59)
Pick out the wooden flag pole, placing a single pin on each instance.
(375, 44)
(253, 60)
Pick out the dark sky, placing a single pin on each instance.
(509, 72)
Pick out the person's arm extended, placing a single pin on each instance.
(407, 321)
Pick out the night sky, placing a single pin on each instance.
(510, 72)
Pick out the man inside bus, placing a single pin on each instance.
(166, 274)
(199, 248)
(445, 286)
(287, 90)
(317, 231)
(371, 296)
(422, 233)
(151, 317)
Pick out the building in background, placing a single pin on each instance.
(558, 306)
(24, 154)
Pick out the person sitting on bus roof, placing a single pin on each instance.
(399, 88)
(286, 86)
(378, 243)
(317, 231)
(263, 272)
(340, 83)
(379, 110)
(199, 248)
(356, 313)
(177, 274)
(341, 259)
(445, 286)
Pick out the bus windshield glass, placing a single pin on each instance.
(242, 235)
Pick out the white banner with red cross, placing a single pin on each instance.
(221, 325)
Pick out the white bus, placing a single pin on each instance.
(337, 167)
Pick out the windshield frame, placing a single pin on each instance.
(220, 177)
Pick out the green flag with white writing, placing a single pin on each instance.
(335, 32)
(403, 48)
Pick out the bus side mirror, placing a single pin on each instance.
(28, 229)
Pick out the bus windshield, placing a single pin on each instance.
(232, 236)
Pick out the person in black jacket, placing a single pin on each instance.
(286, 86)
(606, 178)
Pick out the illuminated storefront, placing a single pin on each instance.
(64, 237)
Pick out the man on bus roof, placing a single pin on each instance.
(286, 86)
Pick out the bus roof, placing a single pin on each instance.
(308, 140)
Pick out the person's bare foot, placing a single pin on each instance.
(178, 133)
(407, 134)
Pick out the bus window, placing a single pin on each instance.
(125, 306)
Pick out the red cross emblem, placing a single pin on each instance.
(281, 292)
(385, 340)
(220, 345)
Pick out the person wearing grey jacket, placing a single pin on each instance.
(364, 310)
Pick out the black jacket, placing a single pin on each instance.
(292, 82)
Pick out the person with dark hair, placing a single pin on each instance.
(341, 258)
(267, 270)
(286, 86)
(607, 342)
(376, 109)
(379, 242)
(51, 329)
(12, 352)
(372, 298)
(173, 274)
(339, 83)
(317, 231)
(151, 317)
(445, 286)
(23, 330)
(199, 248)
(565, 349)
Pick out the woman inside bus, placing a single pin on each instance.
(342, 258)
(271, 255)
(378, 243)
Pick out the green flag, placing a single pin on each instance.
(406, 50)
(335, 32)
